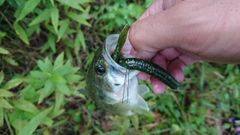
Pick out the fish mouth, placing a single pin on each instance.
(111, 43)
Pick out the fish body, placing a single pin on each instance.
(113, 87)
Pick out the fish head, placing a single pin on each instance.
(111, 86)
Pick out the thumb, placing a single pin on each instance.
(166, 29)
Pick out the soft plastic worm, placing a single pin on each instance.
(151, 69)
(121, 40)
(142, 65)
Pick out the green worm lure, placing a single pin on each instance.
(142, 65)
(151, 69)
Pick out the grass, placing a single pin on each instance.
(208, 96)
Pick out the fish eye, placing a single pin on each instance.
(100, 69)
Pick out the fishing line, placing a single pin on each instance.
(126, 85)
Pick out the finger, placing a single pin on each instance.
(176, 68)
(170, 53)
(143, 76)
(170, 28)
(154, 8)
(158, 86)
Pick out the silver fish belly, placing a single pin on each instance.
(113, 87)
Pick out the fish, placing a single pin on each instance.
(112, 87)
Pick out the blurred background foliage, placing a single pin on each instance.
(45, 49)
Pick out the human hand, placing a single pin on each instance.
(176, 33)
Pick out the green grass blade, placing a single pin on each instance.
(55, 18)
(34, 123)
(41, 17)
(28, 7)
(21, 33)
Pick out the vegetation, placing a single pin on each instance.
(45, 49)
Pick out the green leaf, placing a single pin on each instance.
(52, 2)
(1, 77)
(55, 18)
(136, 10)
(13, 83)
(41, 17)
(80, 41)
(1, 2)
(59, 61)
(38, 74)
(48, 85)
(135, 121)
(73, 78)
(21, 33)
(81, 19)
(59, 100)
(34, 122)
(5, 93)
(3, 51)
(29, 6)
(63, 88)
(57, 78)
(56, 113)
(25, 105)
(2, 34)
(45, 67)
(10, 61)
(51, 42)
(63, 28)
(5, 104)
(71, 3)
(1, 117)
(47, 121)
(125, 125)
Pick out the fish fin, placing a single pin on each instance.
(143, 89)
(142, 103)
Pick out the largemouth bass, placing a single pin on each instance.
(113, 87)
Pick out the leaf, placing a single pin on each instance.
(38, 74)
(63, 28)
(1, 2)
(59, 100)
(13, 83)
(44, 66)
(5, 93)
(34, 122)
(80, 41)
(21, 33)
(29, 6)
(25, 105)
(71, 3)
(2, 34)
(135, 121)
(47, 121)
(63, 88)
(125, 125)
(52, 2)
(1, 117)
(1, 76)
(3, 51)
(5, 104)
(51, 42)
(10, 61)
(73, 78)
(41, 17)
(136, 10)
(81, 19)
(57, 78)
(55, 18)
(59, 61)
